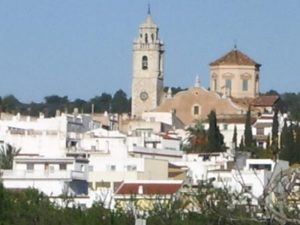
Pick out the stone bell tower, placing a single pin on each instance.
(148, 68)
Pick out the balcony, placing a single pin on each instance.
(78, 175)
(43, 175)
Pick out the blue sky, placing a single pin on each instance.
(83, 48)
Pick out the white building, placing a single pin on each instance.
(52, 176)
(256, 175)
(49, 137)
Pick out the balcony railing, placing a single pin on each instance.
(43, 174)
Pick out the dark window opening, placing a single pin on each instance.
(145, 62)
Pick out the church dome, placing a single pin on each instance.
(235, 57)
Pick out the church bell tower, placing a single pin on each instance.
(148, 68)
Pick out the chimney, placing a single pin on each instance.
(57, 113)
(75, 112)
(140, 190)
(41, 115)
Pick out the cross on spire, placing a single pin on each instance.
(149, 9)
(235, 44)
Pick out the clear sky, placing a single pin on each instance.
(81, 48)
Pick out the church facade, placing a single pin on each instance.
(234, 83)
(148, 69)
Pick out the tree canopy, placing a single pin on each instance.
(118, 103)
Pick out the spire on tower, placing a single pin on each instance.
(197, 81)
(235, 44)
(149, 9)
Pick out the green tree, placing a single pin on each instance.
(234, 138)
(214, 136)
(197, 138)
(297, 143)
(120, 103)
(55, 102)
(292, 100)
(7, 154)
(275, 126)
(101, 103)
(241, 145)
(287, 143)
(248, 130)
(10, 104)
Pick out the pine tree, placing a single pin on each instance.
(248, 129)
(215, 138)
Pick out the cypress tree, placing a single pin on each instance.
(297, 144)
(283, 136)
(275, 126)
(241, 146)
(215, 138)
(248, 129)
(234, 138)
(290, 144)
(287, 143)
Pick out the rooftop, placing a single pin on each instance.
(235, 57)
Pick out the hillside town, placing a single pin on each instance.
(227, 135)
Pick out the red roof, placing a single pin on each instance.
(265, 100)
(235, 57)
(148, 188)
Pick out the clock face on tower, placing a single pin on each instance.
(144, 96)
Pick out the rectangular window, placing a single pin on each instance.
(228, 84)
(225, 127)
(245, 85)
(62, 166)
(215, 84)
(131, 167)
(196, 110)
(29, 166)
(111, 168)
(260, 131)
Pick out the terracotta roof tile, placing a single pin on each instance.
(267, 100)
(235, 57)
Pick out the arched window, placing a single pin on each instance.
(215, 84)
(152, 37)
(145, 62)
(245, 85)
(196, 110)
(146, 38)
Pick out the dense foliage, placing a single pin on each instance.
(290, 143)
(215, 138)
(204, 206)
(118, 103)
(200, 140)
(24, 207)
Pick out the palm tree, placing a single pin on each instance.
(197, 138)
(7, 154)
